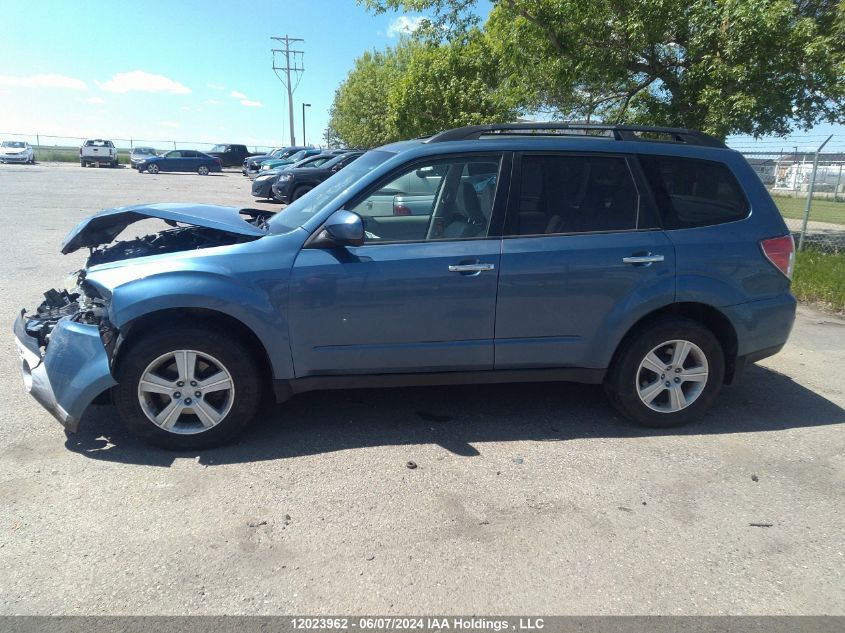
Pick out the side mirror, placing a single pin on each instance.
(343, 228)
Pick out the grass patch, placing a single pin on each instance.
(822, 210)
(70, 155)
(820, 277)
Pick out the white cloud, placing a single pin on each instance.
(251, 104)
(216, 86)
(213, 102)
(95, 100)
(140, 81)
(170, 124)
(237, 95)
(43, 81)
(404, 25)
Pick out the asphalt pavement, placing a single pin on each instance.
(525, 499)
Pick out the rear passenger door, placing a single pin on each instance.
(190, 160)
(171, 162)
(583, 257)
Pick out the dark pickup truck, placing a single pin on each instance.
(230, 155)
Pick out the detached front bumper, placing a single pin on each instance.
(70, 374)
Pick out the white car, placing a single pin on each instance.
(16, 152)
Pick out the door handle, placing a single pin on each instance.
(471, 268)
(643, 260)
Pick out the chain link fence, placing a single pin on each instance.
(810, 194)
(66, 148)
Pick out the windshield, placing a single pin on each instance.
(218, 148)
(143, 151)
(17, 144)
(305, 207)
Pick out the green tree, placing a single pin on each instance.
(360, 114)
(446, 86)
(723, 66)
(417, 89)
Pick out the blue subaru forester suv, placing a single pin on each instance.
(651, 260)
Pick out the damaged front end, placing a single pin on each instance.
(65, 348)
(67, 345)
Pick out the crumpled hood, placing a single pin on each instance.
(103, 227)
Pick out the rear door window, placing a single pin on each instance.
(692, 192)
(569, 193)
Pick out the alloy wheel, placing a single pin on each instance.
(186, 392)
(672, 376)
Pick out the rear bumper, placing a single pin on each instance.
(99, 159)
(70, 374)
(762, 327)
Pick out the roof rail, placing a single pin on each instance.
(619, 132)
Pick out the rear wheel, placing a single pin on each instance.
(202, 170)
(187, 388)
(299, 192)
(667, 373)
(152, 169)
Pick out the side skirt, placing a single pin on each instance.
(284, 389)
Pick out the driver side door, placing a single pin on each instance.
(420, 294)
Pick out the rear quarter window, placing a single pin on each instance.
(692, 192)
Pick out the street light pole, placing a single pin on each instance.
(304, 105)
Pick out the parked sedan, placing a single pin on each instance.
(290, 160)
(16, 152)
(140, 154)
(292, 184)
(181, 160)
(262, 185)
(253, 163)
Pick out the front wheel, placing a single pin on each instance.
(667, 373)
(299, 192)
(202, 170)
(152, 169)
(187, 388)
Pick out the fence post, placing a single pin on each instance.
(838, 181)
(810, 193)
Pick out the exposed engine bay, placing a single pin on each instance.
(59, 304)
(168, 241)
(82, 303)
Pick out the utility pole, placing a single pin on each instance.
(304, 105)
(292, 63)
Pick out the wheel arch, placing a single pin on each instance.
(136, 329)
(710, 317)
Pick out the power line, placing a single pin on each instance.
(293, 62)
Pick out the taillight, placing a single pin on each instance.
(401, 209)
(781, 252)
(80, 151)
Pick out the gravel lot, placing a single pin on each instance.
(527, 499)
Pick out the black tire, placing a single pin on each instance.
(220, 345)
(203, 170)
(114, 164)
(300, 191)
(82, 163)
(622, 381)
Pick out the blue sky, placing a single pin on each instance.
(175, 69)
(191, 70)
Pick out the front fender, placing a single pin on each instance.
(262, 312)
